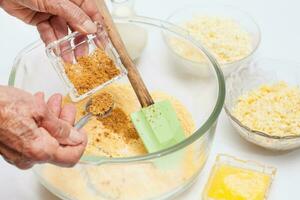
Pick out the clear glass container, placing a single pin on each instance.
(122, 8)
(238, 164)
(71, 47)
(134, 43)
(186, 13)
(251, 76)
(140, 177)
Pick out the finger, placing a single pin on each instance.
(15, 158)
(68, 156)
(60, 27)
(44, 147)
(59, 129)
(54, 104)
(40, 96)
(81, 48)
(39, 110)
(90, 8)
(72, 14)
(68, 114)
(38, 17)
(62, 131)
(46, 32)
(102, 39)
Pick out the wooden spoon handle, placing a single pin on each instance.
(133, 74)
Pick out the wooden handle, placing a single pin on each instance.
(133, 74)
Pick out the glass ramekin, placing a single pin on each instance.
(231, 161)
(186, 13)
(107, 178)
(251, 76)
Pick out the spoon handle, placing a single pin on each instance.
(82, 121)
(133, 74)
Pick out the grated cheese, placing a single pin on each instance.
(272, 109)
(224, 37)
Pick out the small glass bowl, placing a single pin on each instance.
(251, 76)
(223, 159)
(76, 45)
(187, 13)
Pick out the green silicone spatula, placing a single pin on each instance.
(156, 123)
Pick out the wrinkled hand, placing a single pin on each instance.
(52, 17)
(33, 131)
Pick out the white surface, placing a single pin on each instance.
(279, 22)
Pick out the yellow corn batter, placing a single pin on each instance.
(137, 180)
(103, 141)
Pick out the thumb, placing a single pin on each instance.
(62, 131)
(73, 14)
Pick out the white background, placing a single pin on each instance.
(280, 25)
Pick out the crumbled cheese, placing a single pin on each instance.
(272, 109)
(224, 37)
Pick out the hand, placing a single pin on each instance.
(33, 131)
(53, 17)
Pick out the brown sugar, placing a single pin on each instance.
(91, 71)
(120, 123)
(101, 104)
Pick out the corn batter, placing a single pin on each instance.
(115, 136)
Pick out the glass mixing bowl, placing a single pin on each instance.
(140, 177)
(247, 23)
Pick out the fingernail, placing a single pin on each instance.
(75, 136)
(89, 26)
